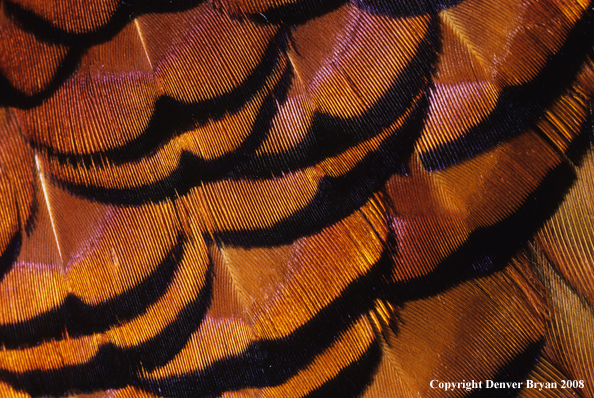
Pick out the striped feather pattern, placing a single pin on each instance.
(292, 198)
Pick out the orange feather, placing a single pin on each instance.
(229, 198)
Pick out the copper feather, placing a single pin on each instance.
(296, 198)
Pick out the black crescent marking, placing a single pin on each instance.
(328, 136)
(78, 318)
(9, 255)
(405, 8)
(353, 380)
(489, 249)
(172, 118)
(272, 362)
(515, 371)
(113, 367)
(45, 31)
(520, 107)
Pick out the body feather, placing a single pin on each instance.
(291, 198)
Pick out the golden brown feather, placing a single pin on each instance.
(295, 198)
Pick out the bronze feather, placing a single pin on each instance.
(296, 198)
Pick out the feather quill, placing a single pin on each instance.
(295, 198)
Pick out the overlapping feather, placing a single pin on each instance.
(294, 198)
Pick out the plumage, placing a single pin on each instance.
(296, 198)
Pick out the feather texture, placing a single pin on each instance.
(295, 198)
